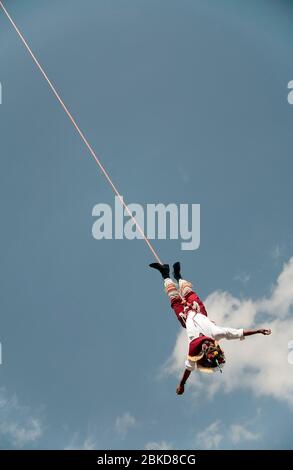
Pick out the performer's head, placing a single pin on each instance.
(211, 358)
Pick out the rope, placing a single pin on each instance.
(82, 136)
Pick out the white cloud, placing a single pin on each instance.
(18, 427)
(124, 423)
(240, 433)
(277, 253)
(260, 363)
(163, 445)
(242, 277)
(89, 443)
(211, 437)
(216, 433)
(281, 301)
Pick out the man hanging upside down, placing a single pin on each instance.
(203, 334)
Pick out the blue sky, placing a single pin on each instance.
(185, 101)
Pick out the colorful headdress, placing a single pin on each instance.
(210, 359)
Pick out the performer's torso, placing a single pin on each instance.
(198, 324)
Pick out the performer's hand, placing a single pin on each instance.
(180, 389)
(265, 331)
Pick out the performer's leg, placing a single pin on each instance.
(187, 292)
(171, 290)
(176, 300)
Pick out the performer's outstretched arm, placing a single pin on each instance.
(262, 331)
(220, 332)
(180, 388)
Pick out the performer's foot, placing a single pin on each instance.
(163, 268)
(176, 271)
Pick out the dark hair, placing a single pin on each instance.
(213, 356)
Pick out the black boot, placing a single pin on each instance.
(163, 268)
(176, 271)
